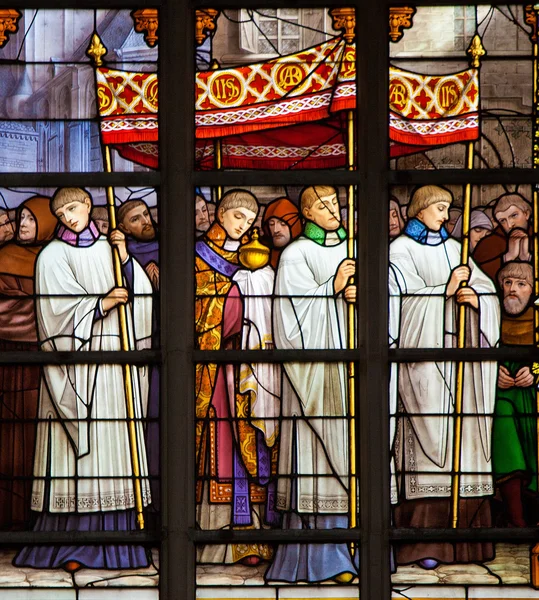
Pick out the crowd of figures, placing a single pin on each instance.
(65, 460)
(272, 443)
(272, 440)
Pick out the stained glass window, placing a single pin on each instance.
(347, 358)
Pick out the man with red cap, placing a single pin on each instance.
(281, 225)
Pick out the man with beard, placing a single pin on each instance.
(135, 220)
(281, 225)
(510, 240)
(514, 433)
(202, 216)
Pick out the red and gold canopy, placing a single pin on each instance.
(310, 85)
(237, 105)
(432, 110)
(287, 113)
(128, 105)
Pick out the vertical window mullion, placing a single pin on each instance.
(177, 79)
(373, 161)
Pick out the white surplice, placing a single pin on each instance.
(422, 317)
(314, 448)
(89, 438)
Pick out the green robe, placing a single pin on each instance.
(514, 431)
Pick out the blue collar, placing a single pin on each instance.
(419, 232)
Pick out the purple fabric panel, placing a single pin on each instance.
(93, 557)
(152, 437)
(87, 237)
(144, 252)
(240, 487)
(264, 459)
(129, 275)
(66, 235)
(272, 516)
(217, 262)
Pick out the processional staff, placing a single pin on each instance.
(476, 51)
(344, 19)
(96, 51)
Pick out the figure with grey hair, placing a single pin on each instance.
(425, 286)
(396, 222)
(480, 226)
(510, 240)
(514, 432)
(454, 215)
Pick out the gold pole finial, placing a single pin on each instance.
(344, 19)
(476, 50)
(96, 50)
(400, 17)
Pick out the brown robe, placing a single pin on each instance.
(488, 253)
(19, 383)
(518, 331)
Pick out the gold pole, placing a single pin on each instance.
(351, 330)
(461, 343)
(128, 379)
(476, 51)
(218, 152)
(96, 50)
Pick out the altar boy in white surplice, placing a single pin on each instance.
(311, 290)
(425, 293)
(82, 465)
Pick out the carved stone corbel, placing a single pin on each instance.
(530, 18)
(205, 23)
(344, 19)
(9, 23)
(147, 22)
(400, 17)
